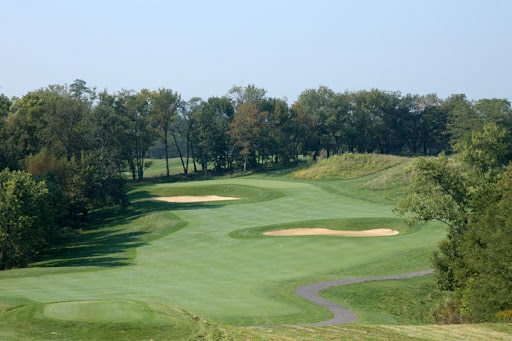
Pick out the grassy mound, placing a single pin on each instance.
(348, 166)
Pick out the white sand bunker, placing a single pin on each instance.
(328, 232)
(194, 198)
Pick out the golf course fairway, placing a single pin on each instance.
(213, 260)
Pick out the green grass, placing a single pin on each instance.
(157, 167)
(150, 270)
(348, 166)
(403, 302)
(350, 224)
(157, 322)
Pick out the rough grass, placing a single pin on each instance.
(478, 332)
(348, 166)
(404, 302)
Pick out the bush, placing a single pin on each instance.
(505, 316)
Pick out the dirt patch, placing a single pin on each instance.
(328, 232)
(194, 198)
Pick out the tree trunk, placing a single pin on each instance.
(188, 153)
(140, 168)
(166, 148)
(179, 152)
(193, 158)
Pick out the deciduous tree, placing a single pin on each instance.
(245, 129)
(164, 113)
(26, 218)
(462, 193)
(210, 139)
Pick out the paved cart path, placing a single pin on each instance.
(341, 314)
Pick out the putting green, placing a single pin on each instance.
(99, 311)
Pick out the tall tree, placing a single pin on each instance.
(52, 118)
(210, 126)
(432, 133)
(5, 105)
(462, 118)
(245, 129)
(80, 91)
(280, 135)
(495, 110)
(248, 94)
(488, 293)
(25, 218)
(422, 124)
(164, 112)
(190, 110)
(461, 194)
(364, 140)
(27, 123)
(137, 108)
(385, 125)
(315, 103)
(304, 132)
(65, 131)
(107, 129)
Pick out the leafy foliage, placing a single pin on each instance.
(472, 197)
(26, 218)
(487, 246)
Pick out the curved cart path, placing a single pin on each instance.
(341, 314)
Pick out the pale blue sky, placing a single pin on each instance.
(203, 48)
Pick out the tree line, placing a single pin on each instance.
(239, 131)
(79, 144)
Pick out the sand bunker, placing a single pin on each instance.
(194, 198)
(327, 232)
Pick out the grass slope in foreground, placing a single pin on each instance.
(211, 259)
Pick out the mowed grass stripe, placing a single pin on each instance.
(200, 268)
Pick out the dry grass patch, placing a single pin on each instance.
(348, 166)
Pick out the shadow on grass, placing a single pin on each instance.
(111, 236)
(101, 248)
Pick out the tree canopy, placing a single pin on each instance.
(27, 218)
(470, 193)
